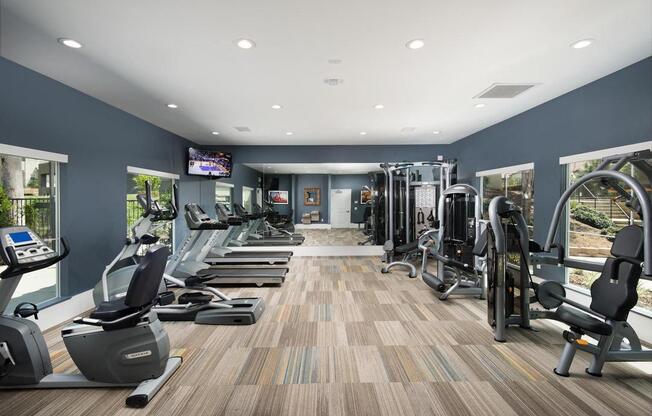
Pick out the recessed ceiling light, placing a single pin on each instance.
(289, 133)
(215, 133)
(436, 132)
(276, 107)
(479, 105)
(379, 106)
(70, 43)
(581, 44)
(415, 44)
(363, 133)
(245, 43)
(171, 105)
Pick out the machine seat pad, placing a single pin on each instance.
(406, 248)
(579, 319)
(112, 310)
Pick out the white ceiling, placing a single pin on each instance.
(321, 168)
(140, 55)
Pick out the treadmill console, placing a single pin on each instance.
(196, 219)
(27, 246)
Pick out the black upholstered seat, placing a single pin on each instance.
(613, 294)
(143, 288)
(112, 310)
(581, 320)
(406, 248)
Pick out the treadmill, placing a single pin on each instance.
(224, 255)
(205, 233)
(255, 221)
(267, 229)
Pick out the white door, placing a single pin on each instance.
(340, 208)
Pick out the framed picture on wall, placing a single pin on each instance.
(311, 196)
(365, 196)
(279, 197)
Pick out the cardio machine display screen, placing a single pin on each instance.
(21, 237)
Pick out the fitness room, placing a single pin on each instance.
(337, 208)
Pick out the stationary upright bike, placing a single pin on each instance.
(121, 344)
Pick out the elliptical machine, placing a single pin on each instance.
(204, 304)
(121, 344)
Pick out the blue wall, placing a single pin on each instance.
(101, 141)
(205, 190)
(334, 154)
(311, 181)
(242, 176)
(613, 111)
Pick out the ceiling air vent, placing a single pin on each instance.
(333, 82)
(243, 129)
(405, 130)
(504, 90)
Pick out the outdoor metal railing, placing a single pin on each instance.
(135, 210)
(38, 213)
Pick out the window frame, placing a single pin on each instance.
(55, 159)
(565, 162)
(134, 170)
(229, 186)
(252, 191)
(504, 172)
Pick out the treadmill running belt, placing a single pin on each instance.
(258, 254)
(246, 272)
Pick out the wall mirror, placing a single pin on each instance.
(327, 203)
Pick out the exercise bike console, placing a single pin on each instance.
(23, 252)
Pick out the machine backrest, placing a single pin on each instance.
(480, 247)
(240, 210)
(614, 299)
(145, 283)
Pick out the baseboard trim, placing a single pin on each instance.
(316, 226)
(337, 251)
(65, 311)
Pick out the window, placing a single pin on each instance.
(516, 183)
(247, 198)
(161, 186)
(29, 197)
(224, 194)
(596, 214)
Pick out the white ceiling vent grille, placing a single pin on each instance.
(333, 82)
(504, 90)
(406, 130)
(243, 129)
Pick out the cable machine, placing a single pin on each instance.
(412, 191)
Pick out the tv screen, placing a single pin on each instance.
(209, 163)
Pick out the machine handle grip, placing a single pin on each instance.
(623, 259)
(561, 254)
(148, 199)
(174, 202)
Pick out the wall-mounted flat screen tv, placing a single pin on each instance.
(209, 163)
